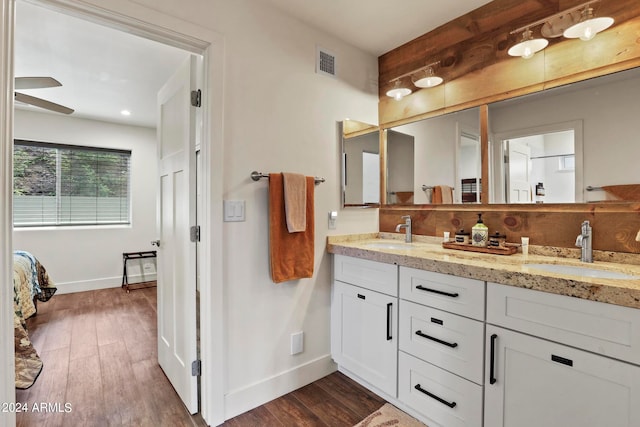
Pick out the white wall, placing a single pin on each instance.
(279, 115)
(85, 257)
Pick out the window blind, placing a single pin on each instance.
(56, 184)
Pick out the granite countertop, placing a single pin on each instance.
(427, 253)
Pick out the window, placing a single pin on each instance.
(55, 184)
(567, 163)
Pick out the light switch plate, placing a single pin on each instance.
(333, 216)
(234, 210)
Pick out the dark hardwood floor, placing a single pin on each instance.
(99, 350)
(332, 401)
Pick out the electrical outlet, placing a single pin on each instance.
(297, 343)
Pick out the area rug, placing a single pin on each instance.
(389, 415)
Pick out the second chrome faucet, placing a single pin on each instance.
(407, 228)
(585, 241)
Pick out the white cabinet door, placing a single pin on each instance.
(364, 334)
(532, 382)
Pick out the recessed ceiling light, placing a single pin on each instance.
(125, 112)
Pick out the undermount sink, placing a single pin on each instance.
(390, 245)
(581, 271)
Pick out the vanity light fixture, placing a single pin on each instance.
(575, 22)
(588, 26)
(398, 91)
(528, 46)
(425, 77)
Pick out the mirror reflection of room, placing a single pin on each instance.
(435, 160)
(575, 143)
(360, 164)
(540, 168)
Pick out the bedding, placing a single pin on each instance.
(31, 282)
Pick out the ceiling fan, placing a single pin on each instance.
(38, 83)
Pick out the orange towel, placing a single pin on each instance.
(442, 194)
(295, 201)
(291, 254)
(437, 195)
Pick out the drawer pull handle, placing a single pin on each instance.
(435, 291)
(492, 373)
(562, 360)
(361, 296)
(448, 344)
(433, 396)
(389, 306)
(437, 321)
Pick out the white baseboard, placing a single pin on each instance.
(104, 283)
(249, 397)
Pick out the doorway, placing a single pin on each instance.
(195, 40)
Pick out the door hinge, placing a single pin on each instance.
(196, 98)
(196, 368)
(194, 233)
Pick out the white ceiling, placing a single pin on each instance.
(377, 26)
(104, 71)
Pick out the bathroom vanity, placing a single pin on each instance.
(466, 339)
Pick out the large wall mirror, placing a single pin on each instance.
(575, 143)
(435, 160)
(360, 164)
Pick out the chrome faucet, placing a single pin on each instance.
(584, 241)
(407, 228)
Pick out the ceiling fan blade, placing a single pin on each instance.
(36, 82)
(39, 102)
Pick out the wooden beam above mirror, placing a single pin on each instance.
(477, 70)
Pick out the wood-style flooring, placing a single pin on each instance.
(332, 401)
(99, 350)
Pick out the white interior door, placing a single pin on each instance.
(518, 183)
(177, 347)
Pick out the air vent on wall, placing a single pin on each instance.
(325, 62)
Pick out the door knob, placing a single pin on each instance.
(155, 243)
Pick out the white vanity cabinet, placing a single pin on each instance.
(558, 361)
(441, 347)
(364, 326)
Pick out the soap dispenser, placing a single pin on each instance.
(479, 233)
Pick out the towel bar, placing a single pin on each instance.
(257, 176)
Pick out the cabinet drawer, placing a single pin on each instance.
(451, 342)
(606, 329)
(377, 276)
(443, 399)
(454, 294)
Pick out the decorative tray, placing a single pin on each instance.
(497, 250)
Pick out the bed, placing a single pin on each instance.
(31, 283)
